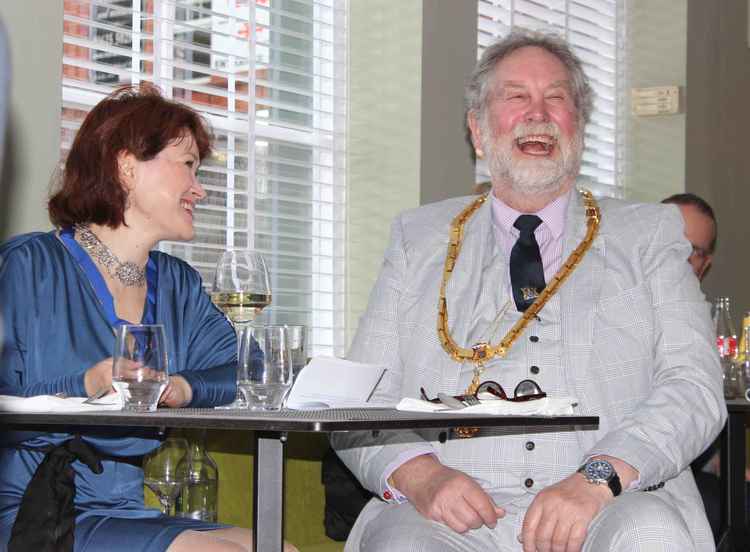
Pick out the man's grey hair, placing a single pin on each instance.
(479, 84)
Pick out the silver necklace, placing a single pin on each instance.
(129, 274)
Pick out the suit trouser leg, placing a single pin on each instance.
(395, 528)
(635, 522)
(639, 522)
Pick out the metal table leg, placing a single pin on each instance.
(268, 491)
(724, 544)
(737, 500)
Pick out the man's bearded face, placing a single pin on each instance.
(537, 170)
(530, 128)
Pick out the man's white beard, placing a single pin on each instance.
(533, 176)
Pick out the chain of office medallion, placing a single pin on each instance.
(482, 352)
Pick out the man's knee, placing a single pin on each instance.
(403, 528)
(639, 521)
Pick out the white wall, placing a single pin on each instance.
(32, 146)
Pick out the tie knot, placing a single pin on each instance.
(526, 224)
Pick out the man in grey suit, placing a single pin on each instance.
(623, 327)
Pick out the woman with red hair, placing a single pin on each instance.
(129, 182)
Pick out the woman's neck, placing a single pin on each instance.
(126, 243)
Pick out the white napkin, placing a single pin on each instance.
(548, 406)
(50, 403)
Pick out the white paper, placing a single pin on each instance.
(328, 382)
(50, 403)
(548, 406)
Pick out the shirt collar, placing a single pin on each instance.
(552, 215)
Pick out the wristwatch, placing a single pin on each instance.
(601, 472)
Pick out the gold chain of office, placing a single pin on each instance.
(481, 352)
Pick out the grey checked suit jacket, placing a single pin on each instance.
(638, 347)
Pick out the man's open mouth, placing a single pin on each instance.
(536, 144)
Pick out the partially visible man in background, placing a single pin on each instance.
(700, 229)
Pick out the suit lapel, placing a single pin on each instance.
(475, 289)
(578, 298)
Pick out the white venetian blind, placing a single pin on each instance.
(270, 77)
(594, 28)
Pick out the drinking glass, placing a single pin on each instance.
(297, 338)
(139, 368)
(265, 366)
(241, 289)
(160, 473)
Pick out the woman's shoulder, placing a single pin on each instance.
(31, 245)
(175, 267)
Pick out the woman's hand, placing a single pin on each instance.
(178, 393)
(98, 377)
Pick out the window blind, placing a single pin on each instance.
(594, 29)
(270, 78)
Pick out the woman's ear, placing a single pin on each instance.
(126, 163)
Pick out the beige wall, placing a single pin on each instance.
(656, 56)
(718, 143)
(32, 146)
(408, 61)
(383, 134)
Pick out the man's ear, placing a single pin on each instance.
(476, 133)
(706, 266)
(126, 164)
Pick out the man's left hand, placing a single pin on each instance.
(559, 516)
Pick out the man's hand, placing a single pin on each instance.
(559, 516)
(445, 495)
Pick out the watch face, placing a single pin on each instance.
(599, 470)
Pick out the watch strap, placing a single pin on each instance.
(614, 484)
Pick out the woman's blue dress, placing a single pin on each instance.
(56, 321)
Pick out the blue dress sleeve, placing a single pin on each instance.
(24, 295)
(211, 348)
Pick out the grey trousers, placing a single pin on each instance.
(637, 521)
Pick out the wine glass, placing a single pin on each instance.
(160, 473)
(241, 289)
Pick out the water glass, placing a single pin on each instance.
(139, 369)
(265, 366)
(297, 337)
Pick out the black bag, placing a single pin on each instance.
(345, 497)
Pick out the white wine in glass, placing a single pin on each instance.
(241, 289)
(241, 307)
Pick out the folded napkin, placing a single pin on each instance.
(50, 403)
(548, 406)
